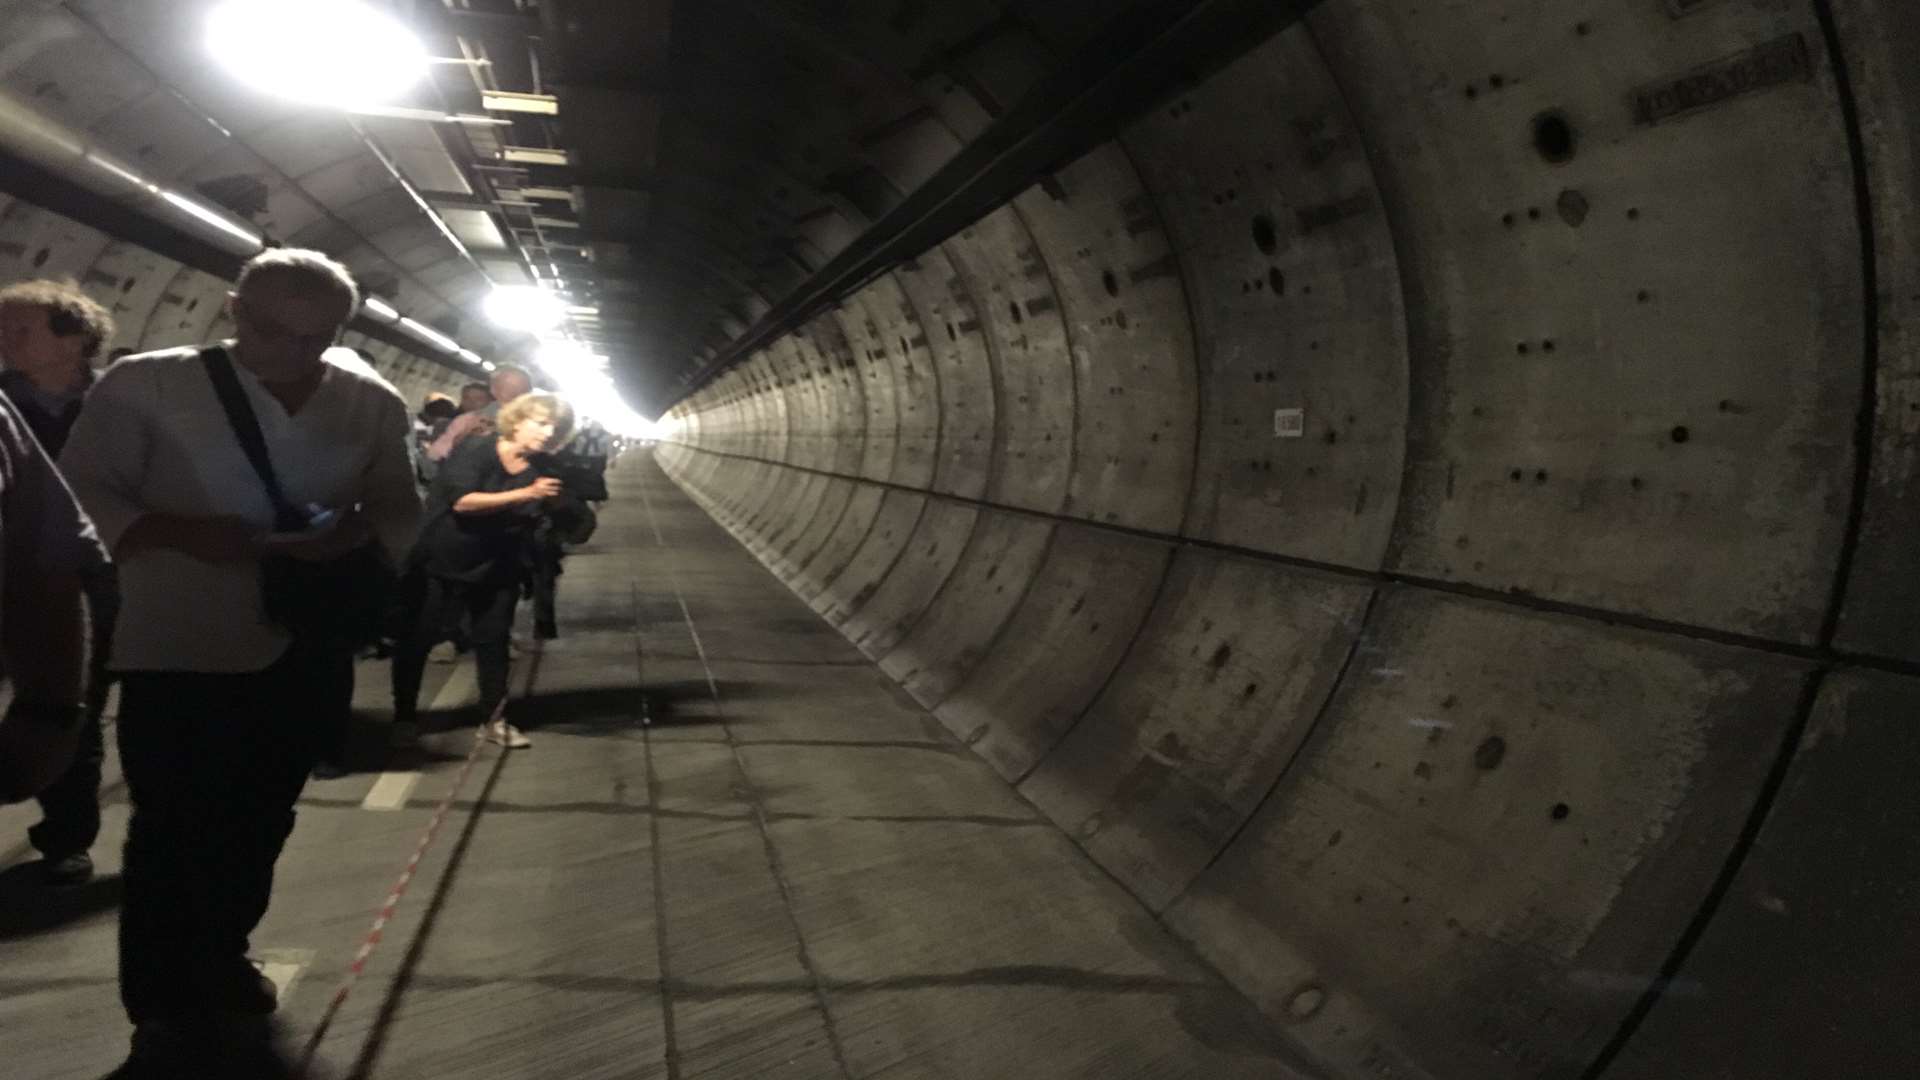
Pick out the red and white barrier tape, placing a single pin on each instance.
(377, 932)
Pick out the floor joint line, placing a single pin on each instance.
(758, 806)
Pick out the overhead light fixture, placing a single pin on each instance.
(503, 101)
(380, 308)
(343, 53)
(214, 218)
(524, 307)
(533, 155)
(420, 329)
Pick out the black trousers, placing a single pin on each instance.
(70, 808)
(436, 608)
(214, 764)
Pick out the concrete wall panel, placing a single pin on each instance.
(1793, 975)
(895, 328)
(1224, 684)
(962, 368)
(1079, 614)
(1100, 239)
(866, 360)
(830, 540)
(799, 548)
(1302, 333)
(1493, 840)
(971, 610)
(923, 569)
(1002, 269)
(1882, 614)
(886, 539)
(1597, 418)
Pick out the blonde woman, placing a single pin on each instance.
(477, 551)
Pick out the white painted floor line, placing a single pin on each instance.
(461, 688)
(284, 966)
(391, 791)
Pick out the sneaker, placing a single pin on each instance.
(404, 735)
(443, 653)
(506, 735)
(329, 770)
(67, 870)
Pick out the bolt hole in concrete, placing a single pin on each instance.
(1681, 434)
(1265, 236)
(1573, 207)
(1112, 283)
(1553, 137)
(1560, 811)
(1490, 753)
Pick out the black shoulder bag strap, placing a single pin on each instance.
(246, 429)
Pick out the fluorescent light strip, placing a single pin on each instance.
(428, 332)
(533, 155)
(504, 101)
(380, 308)
(213, 218)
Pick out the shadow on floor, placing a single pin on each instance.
(615, 710)
(369, 741)
(28, 906)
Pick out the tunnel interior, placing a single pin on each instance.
(1423, 497)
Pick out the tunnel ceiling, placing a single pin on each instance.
(138, 79)
(724, 154)
(705, 168)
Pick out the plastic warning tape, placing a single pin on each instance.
(377, 932)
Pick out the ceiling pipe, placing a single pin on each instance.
(67, 171)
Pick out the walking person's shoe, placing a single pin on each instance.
(504, 734)
(443, 653)
(404, 735)
(66, 871)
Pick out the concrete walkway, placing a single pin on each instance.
(792, 871)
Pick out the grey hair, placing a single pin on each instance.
(311, 267)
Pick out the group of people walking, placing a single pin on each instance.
(253, 518)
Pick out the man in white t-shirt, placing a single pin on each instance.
(223, 713)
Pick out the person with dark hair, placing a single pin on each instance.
(51, 334)
(476, 554)
(438, 407)
(214, 474)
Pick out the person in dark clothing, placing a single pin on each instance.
(51, 334)
(477, 552)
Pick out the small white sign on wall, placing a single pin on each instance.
(1289, 423)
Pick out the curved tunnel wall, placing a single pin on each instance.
(157, 303)
(1428, 511)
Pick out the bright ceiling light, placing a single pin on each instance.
(524, 307)
(582, 378)
(321, 52)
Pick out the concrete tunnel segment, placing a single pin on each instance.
(1427, 509)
